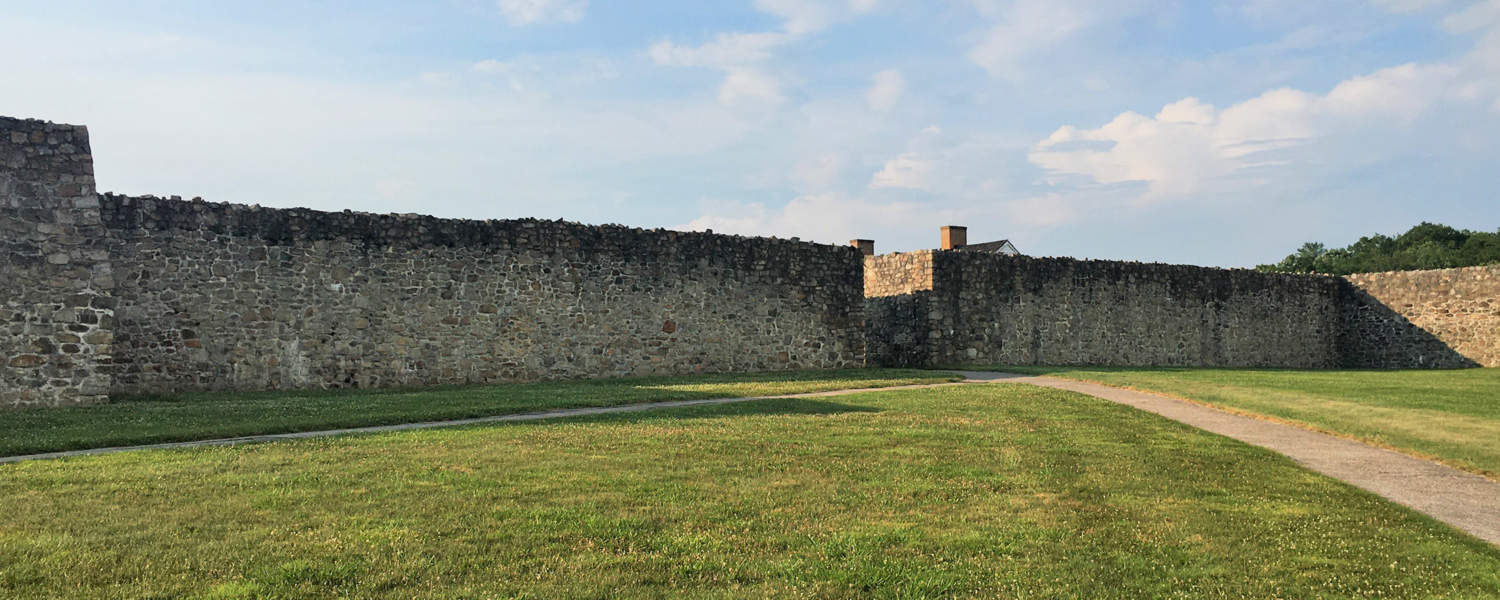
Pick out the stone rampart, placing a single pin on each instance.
(993, 309)
(1015, 310)
(118, 295)
(220, 296)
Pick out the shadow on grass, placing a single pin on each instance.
(736, 409)
(189, 417)
(650, 382)
(748, 408)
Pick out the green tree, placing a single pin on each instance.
(1425, 246)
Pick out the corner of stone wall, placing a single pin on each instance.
(58, 317)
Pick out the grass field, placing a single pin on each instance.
(199, 416)
(1451, 416)
(974, 491)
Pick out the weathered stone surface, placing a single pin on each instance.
(1423, 319)
(27, 361)
(995, 309)
(898, 273)
(52, 254)
(225, 296)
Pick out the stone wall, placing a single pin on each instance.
(141, 295)
(55, 340)
(897, 329)
(993, 309)
(219, 296)
(1423, 319)
(898, 273)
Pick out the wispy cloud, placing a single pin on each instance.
(886, 88)
(527, 12)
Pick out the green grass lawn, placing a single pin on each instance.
(975, 491)
(1451, 416)
(213, 415)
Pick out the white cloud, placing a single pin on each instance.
(1477, 17)
(1406, 6)
(746, 86)
(907, 171)
(725, 51)
(810, 16)
(799, 16)
(736, 54)
(820, 172)
(1024, 27)
(490, 65)
(886, 88)
(527, 12)
(1401, 92)
(1191, 147)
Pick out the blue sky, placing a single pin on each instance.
(1216, 133)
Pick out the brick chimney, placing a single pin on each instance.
(955, 237)
(866, 247)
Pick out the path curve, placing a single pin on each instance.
(1466, 501)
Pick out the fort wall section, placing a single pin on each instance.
(993, 309)
(220, 296)
(115, 296)
(1444, 318)
(56, 313)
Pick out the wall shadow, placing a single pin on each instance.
(768, 407)
(897, 328)
(1376, 336)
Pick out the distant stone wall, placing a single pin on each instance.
(1444, 318)
(219, 296)
(55, 344)
(994, 309)
(898, 273)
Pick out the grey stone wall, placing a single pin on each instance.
(219, 296)
(897, 329)
(140, 295)
(992, 309)
(1446, 318)
(55, 344)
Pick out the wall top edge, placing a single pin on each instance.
(124, 212)
(1102, 263)
(1491, 267)
(10, 121)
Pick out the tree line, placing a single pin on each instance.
(1426, 246)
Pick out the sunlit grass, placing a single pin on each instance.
(974, 491)
(1451, 416)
